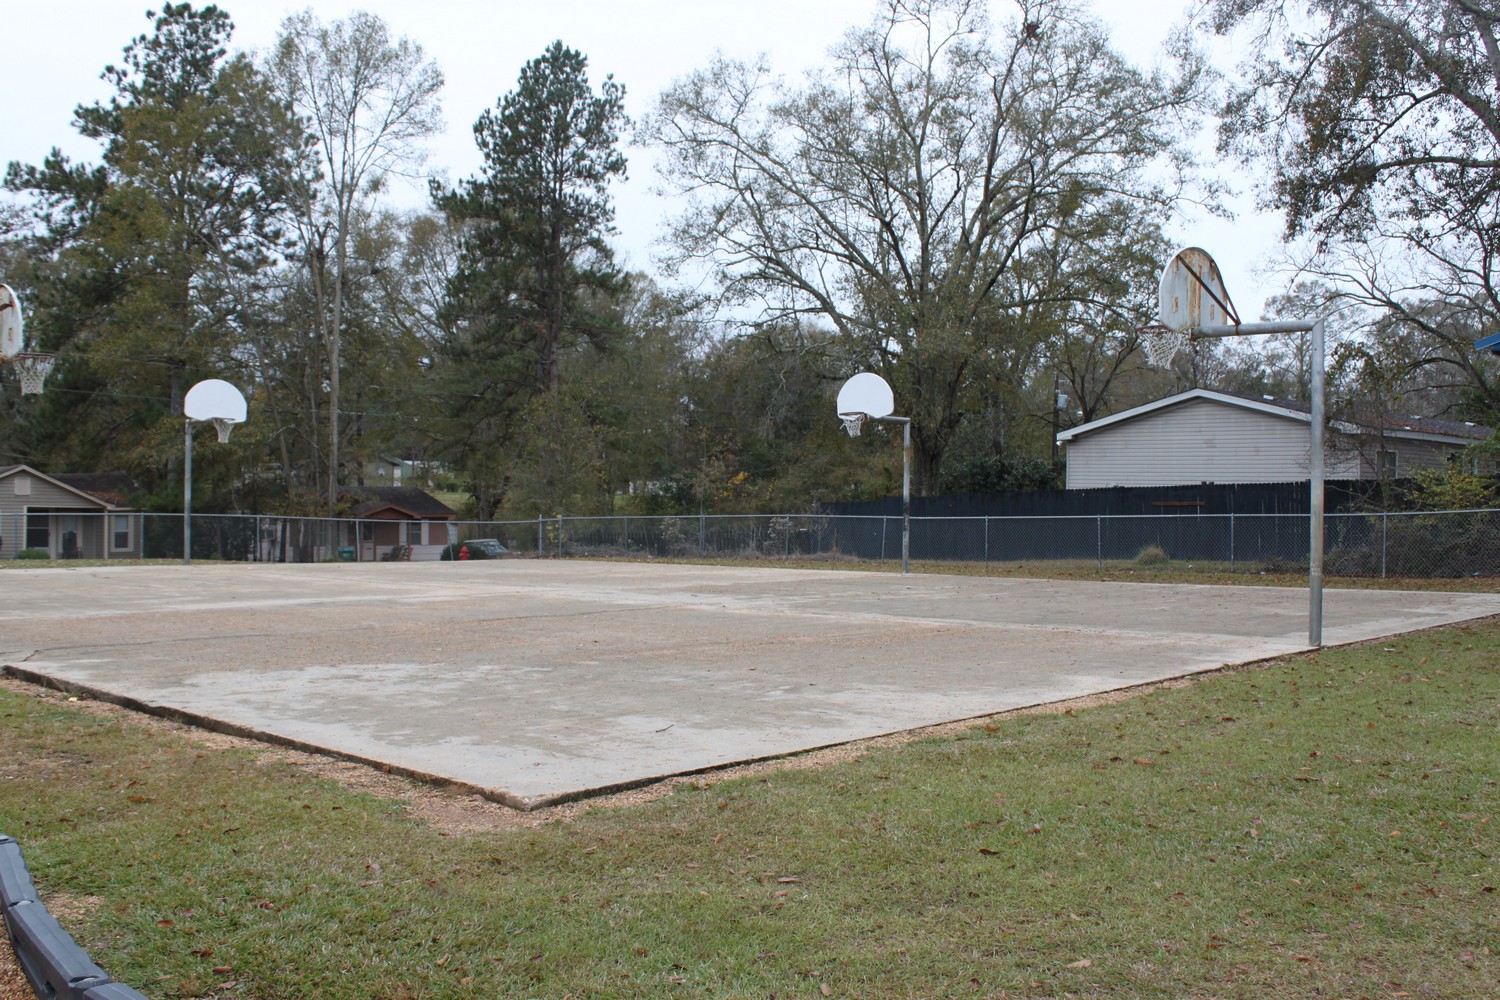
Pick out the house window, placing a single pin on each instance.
(413, 532)
(119, 531)
(1385, 464)
(22, 486)
(1465, 462)
(39, 532)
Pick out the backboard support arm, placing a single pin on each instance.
(1222, 303)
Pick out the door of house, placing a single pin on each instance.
(69, 539)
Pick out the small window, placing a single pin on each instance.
(414, 533)
(39, 532)
(119, 535)
(22, 486)
(1386, 464)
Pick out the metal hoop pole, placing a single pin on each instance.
(1315, 470)
(906, 495)
(187, 492)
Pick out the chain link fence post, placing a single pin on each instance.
(1384, 517)
(1099, 541)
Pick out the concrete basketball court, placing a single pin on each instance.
(537, 681)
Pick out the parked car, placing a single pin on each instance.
(479, 548)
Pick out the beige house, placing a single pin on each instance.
(1204, 436)
(67, 515)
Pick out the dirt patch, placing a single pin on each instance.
(68, 908)
(13, 985)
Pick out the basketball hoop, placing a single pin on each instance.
(223, 425)
(33, 369)
(1161, 343)
(852, 422)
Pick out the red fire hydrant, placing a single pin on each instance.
(463, 553)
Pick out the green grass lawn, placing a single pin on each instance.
(1322, 826)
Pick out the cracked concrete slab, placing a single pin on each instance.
(536, 681)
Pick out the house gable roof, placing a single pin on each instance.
(104, 490)
(1393, 425)
(111, 487)
(409, 500)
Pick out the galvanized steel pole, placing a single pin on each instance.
(1315, 473)
(187, 492)
(906, 495)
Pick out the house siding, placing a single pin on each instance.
(23, 492)
(1199, 441)
(42, 494)
(1411, 456)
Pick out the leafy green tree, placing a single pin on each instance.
(536, 274)
(157, 250)
(560, 462)
(1452, 488)
(903, 195)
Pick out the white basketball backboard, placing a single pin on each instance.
(866, 393)
(12, 335)
(214, 399)
(1192, 293)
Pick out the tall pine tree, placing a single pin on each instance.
(536, 270)
(155, 252)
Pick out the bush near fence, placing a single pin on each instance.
(1443, 544)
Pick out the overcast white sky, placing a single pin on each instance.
(55, 53)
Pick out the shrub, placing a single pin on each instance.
(1429, 545)
(1151, 555)
(33, 554)
(676, 539)
(1451, 488)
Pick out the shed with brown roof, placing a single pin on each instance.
(399, 522)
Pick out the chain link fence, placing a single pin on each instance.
(1423, 544)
